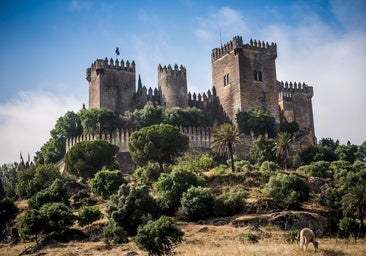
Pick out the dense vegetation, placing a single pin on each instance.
(168, 181)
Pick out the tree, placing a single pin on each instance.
(147, 116)
(262, 150)
(8, 176)
(57, 217)
(170, 187)
(97, 120)
(85, 158)
(23, 187)
(106, 183)
(31, 223)
(161, 143)
(355, 201)
(8, 211)
(224, 140)
(186, 117)
(159, 237)
(131, 207)
(282, 146)
(54, 193)
(256, 120)
(88, 214)
(197, 203)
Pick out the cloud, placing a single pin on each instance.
(76, 5)
(332, 60)
(26, 122)
(227, 20)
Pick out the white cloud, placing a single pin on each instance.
(26, 122)
(333, 62)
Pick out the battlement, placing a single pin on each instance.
(237, 43)
(99, 65)
(287, 89)
(169, 70)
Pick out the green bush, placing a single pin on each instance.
(159, 237)
(317, 169)
(269, 167)
(57, 217)
(291, 236)
(147, 174)
(8, 211)
(131, 207)
(31, 224)
(249, 238)
(288, 190)
(106, 183)
(88, 214)
(197, 203)
(231, 202)
(170, 187)
(54, 193)
(348, 227)
(243, 165)
(113, 232)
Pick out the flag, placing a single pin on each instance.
(117, 50)
(21, 158)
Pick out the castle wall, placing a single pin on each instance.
(172, 86)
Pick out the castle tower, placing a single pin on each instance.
(172, 85)
(295, 103)
(112, 85)
(244, 77)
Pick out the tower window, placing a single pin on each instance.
(226, 80)
(258, 75)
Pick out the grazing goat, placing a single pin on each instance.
(307, 236)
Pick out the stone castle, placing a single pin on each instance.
(243, 76)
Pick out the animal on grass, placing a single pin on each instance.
(307, 236)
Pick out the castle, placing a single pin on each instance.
(243, 76)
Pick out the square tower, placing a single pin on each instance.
(244, 77)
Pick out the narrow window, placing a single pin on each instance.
(226, 80)
(260, 76)
(255, 75)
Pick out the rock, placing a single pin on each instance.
(315, 184)
(204, 229)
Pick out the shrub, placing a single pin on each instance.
(131, 207)
(170, 187)
(31, 223)
(55, 193)
(57, 217)
(288, 190)
(291, 236)
(147, 174)
(348, 226)
(159, 237)
(106, 183)
(317, 169)
(197, 203)
(243, 165)
(88, 214)
(113, 232)
(269, 167)
(8, 211)
(231, 202)
(249, 238)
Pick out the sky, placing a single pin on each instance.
(46, 47)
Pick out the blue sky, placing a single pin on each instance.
(46, 47)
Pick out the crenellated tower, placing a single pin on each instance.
(172, 84)
(244, 76)
(112, 85)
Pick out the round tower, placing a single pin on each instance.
(173, 86)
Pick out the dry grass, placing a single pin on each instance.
(209, 240)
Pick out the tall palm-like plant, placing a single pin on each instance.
(225, 137)
(282, 147)
(355, 201)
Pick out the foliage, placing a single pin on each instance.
(348, 226)
(288, 190)
(289, 127)
(113, 232)
(231, 202)
(262, 150)
(197, 203)
(98, 120)
(85, 158)
(23, 187)
(347, 152)
(316, 169)
(147, 174)
(8, 211)
(170, 187)
(225, 138)
(282, 147)
(249, 238)
(147, 116)
(57, 217)
(67, 126)
(269, 167)
(258, 121)
(186, 117)
(161, 143)
(291, 236)
(8, 179)
(106, 183)
(243, 165)
(159, 237)
(88, 214)
(31, 223)
(355, 201)
(131, 207)
(54, 193)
